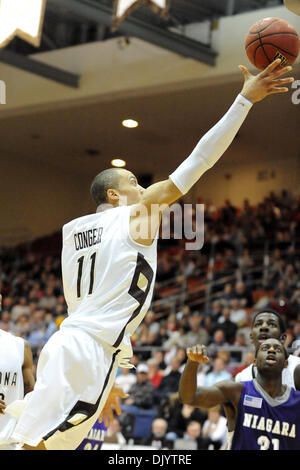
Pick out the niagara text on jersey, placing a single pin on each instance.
(266, 423)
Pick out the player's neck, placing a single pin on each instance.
(104, 207)
(272, 385)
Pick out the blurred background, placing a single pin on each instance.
(62, 124)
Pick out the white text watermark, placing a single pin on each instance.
(296, 94)
(2, 92)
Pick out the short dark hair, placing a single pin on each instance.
(107, 179)
(281, 321)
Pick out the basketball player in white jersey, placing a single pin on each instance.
(16, 379)
(109, 270)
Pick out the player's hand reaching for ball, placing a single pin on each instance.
(197, 354)
(268, 82)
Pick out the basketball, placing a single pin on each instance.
(269, 39)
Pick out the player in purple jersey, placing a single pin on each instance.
(96, 435)
(262, 414)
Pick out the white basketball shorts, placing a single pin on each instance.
(75, 374)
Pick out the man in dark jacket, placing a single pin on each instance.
(142, 392)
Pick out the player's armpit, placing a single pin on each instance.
(162, 193)
(146, 216)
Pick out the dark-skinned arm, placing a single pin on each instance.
(28, 377)
(222, 393)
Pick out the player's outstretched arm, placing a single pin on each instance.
(216, 141)
(204, 397)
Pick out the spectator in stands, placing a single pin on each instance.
(148, 331)
(176, 338)
(22, 326)
(158, 356)
(37, 333)
(193, 433)
(290, 277)
(180, 416)
(154, 375)
(238, 314)
(245, 261)
(114, 434)
(227, 293)
(282, 290)
(248, 360)
(170, 382)
(216, 311)
(50, 326)
(215, 428)
(125, 379)
(243, 294)
(19, 309)
(7, 304)
(6, 323)
(228, 327)
(218, 373)
(218, 342)
(48, 301)
(196, 335)
(158, 439)
(142, 392)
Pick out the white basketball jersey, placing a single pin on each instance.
(287, 374)
(11, 379)
(108, 278)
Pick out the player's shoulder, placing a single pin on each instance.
(293, 361)
(245, 374)
(10, 337)
(94, 217)
(79, 221)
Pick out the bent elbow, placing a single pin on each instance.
(186, 400)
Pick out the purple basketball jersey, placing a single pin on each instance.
(95, 437)
(265, 423)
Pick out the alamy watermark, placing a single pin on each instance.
(177, 222)
(296, 94)
(2, 92)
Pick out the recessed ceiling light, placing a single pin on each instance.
(130, 123)
(118, 162)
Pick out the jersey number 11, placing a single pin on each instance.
(80, 262)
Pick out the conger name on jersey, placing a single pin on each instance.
(88, 238)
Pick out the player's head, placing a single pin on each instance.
(271, 357)
(267, 323)
(116, 186)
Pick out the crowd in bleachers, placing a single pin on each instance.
(250, 260)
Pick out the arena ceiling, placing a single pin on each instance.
(72, 22)
(84, 137)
